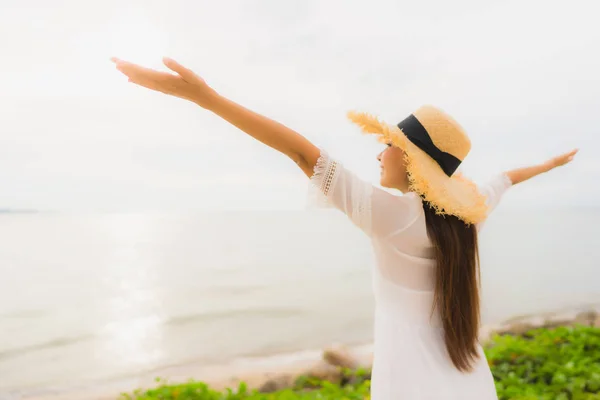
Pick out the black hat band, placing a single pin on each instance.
(417, 134)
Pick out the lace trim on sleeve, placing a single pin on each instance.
(331, 185)
(322, 182)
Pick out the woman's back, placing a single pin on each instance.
(411, 360)
(410, 356)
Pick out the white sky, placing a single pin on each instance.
(521, 76)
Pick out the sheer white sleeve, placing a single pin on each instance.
(331, 185)
(375, 211)
(494, 190)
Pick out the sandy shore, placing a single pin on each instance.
(256, 372)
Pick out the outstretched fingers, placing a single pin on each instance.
(135, 71)
(572, 154)
(567, 157)
(176, 84)
(186, 73)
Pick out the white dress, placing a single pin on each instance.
(410, 357)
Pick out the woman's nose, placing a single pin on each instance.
(379, 156)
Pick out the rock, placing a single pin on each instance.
(340, 357)
(276, 383)
(517, 328)
(555, 322)
(325, 372)
(586, 318)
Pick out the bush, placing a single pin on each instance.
(199, 391)
(543, 364)
(556, 364)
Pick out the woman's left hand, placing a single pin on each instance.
(184, 84)
(562, 159)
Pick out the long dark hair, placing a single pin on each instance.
(456, 295)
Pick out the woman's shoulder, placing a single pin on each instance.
(394, 212)
(390, 199)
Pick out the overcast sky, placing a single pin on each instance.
(521, 76)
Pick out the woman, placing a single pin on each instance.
(426, 280)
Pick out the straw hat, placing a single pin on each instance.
(434, 145)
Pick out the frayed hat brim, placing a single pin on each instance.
(448, 195)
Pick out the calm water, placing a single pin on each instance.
(87, 298)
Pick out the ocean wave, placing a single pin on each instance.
(228, 314)
(59, 342)
(173, 321)
(234, 289)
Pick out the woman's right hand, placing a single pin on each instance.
(184, 84)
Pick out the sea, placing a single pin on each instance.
(94, 299)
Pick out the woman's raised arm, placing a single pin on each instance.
(522, 174)
(186, 85)
(269, 132)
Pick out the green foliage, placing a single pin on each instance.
(543, 364)
(305, 389)
(547, 364)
